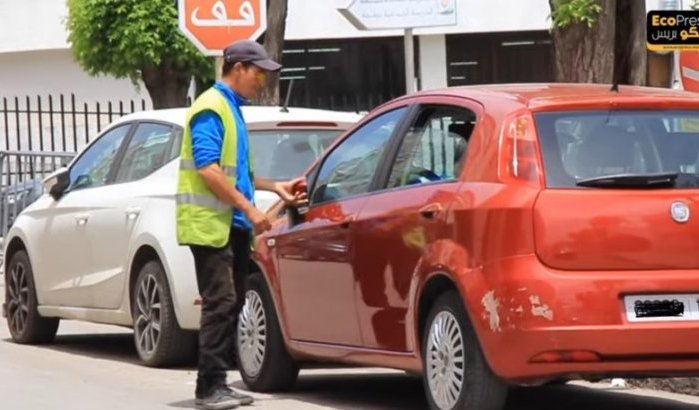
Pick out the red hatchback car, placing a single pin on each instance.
(490, 236)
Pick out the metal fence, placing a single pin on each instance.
(66, 124)
(57, 123)
(21, 176)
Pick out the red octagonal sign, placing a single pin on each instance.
(689, 69)
(214, 24)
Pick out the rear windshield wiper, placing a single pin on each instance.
(657, 180)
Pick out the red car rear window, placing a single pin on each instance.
(581, 146)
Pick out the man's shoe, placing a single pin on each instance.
(218, 399)
(243, 399)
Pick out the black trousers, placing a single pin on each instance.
(222, 299)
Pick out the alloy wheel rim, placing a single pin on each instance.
(18, 299)
(252, 334)
(445, 360)
(147, 327)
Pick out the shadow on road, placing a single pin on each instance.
(118, 347)
(373, 391)
(358, 391)
(581, 398)
(396, 391)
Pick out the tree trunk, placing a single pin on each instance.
(274, 44)
(201, 85)
(166, 85)
(584, 54)
(631, 65)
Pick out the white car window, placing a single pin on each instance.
(280, 155)
(92, 168)
(147, 151)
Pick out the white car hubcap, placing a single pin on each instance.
(147, 325)
(252, 334)
(445, 360)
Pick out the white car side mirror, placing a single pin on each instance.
(57, 182)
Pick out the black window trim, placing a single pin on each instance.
(110, 173)
(114, 171)
(405, 119)
(175, 129)
(387, 166)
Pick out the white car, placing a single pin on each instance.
(100, 244)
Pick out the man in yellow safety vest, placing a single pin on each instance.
(216, 214)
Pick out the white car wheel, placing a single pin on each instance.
(445, 360)
(159, 340)
(252, 334)
(456, 375)
(147, 325)
(265, 365)
(24, 322)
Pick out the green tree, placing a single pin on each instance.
(139, 40)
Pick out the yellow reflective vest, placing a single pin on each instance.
(202, 218)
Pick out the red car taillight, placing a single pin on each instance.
(520, 158)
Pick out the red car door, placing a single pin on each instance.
(314, 256)
(402, 222)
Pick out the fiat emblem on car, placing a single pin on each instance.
(679, 212)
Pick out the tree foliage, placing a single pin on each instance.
(567, 12)
(125, 38)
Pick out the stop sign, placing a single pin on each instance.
(689, 69)
(214, 24)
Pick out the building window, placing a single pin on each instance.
(521, 57)
(343, 74)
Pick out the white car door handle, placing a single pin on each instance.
(132, 213)
(81, 219)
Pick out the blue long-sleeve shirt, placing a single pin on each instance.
(207, 143)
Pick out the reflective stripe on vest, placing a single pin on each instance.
(188, 164)
(202, 218)
(202, 200)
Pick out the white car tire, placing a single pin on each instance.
(159, 340)
(263, 361)
(24, 322)
(456, 374)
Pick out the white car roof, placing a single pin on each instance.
(253, 114)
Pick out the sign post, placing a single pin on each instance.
(409, 48)
(212, 25)
(405, 15)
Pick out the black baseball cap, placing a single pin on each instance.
(252, 52)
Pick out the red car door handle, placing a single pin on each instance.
(347, 221)
(430, 211)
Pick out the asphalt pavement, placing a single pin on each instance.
(95, 367)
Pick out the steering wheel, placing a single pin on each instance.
(417, 175)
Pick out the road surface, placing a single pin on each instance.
(95, 367)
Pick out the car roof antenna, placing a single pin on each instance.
(285, 108)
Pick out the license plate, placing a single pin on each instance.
(662, 308)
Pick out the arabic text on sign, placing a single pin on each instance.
(220, 13)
